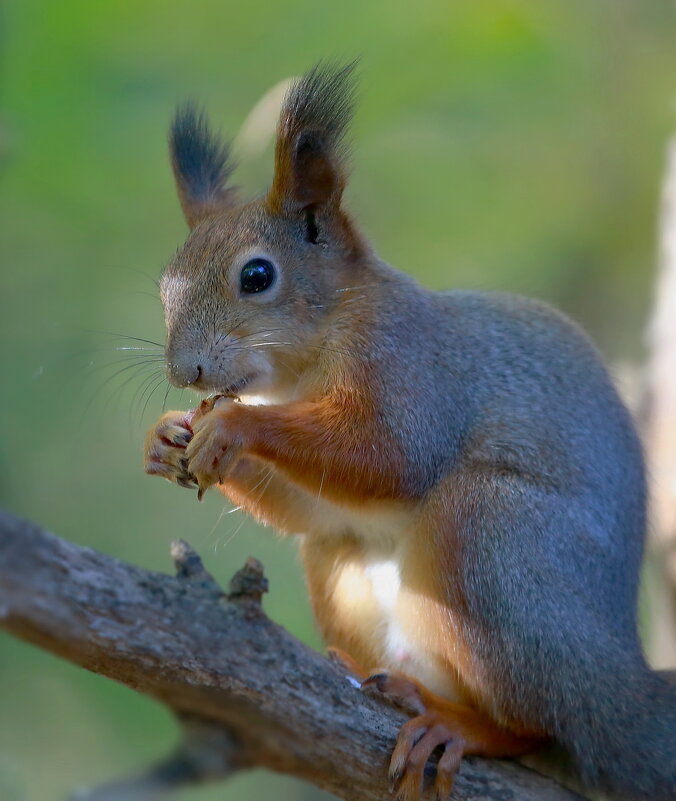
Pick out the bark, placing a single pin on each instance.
(247, 692)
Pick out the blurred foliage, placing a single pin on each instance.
(514, 145)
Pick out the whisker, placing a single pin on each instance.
(145, 275)
(223, 511)
(152, 392)
(137, 347)
(240, 323)
(124, 336)
(234, 533)
(148, 294)
(267, 478)
(357, 286)
(138, 367)
(288, 367)
(267, 484)
(292, 344)
(264, 333)
(128, 366)
(118, 391)
(321, 487)
(255, 486)
(137, 397)
(166, 395)
(136, 358)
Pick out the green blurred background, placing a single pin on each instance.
(513, 145)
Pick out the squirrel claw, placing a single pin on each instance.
(180, 438)
(165, 448)
(213, 450)
(457, 729)
(396, 686)
(417, 741)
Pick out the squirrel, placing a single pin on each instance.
(467, 488)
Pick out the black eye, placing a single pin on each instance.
(256, 276)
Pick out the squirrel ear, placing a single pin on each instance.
(310, 153)
(201, 164)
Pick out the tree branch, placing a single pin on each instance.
(247, 692)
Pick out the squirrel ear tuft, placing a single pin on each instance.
(310, 153)
(201, 164)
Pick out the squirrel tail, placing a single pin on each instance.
(624, 742)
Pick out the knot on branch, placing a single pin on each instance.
(189, 568)
(249, 583)
(246, 586)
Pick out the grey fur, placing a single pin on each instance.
(505, 400)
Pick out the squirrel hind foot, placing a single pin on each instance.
(458, 730)
(418, 739)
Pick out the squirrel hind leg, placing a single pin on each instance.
(458, 730)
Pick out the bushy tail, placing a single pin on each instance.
(624, 743)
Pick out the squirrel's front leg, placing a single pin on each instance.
(327, 445)
(251, 483)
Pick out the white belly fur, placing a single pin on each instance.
(371, 591)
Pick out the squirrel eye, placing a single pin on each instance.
(257, 275)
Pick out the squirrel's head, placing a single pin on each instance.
(249, 296)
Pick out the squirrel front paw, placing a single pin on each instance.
(165, 448)
(214, 446)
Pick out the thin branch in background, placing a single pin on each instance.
(659, 428)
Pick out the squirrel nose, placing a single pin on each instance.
(183, 374)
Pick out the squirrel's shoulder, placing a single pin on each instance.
(502, 305)
(468, 303)
(489, 314)
(478, 324)
(510, 318)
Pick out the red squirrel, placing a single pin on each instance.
(467, 488)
